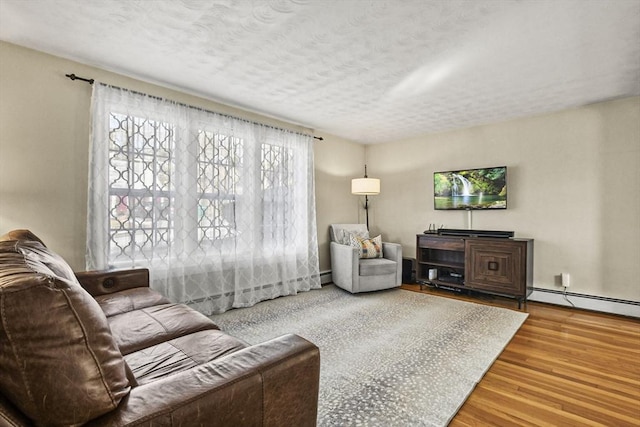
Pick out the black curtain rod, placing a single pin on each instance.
(74, 77)
(91, 81)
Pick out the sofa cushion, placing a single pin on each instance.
(22, 234)
(59, 363)
(138, 329)
(36, 252)
(182, 353)
(377, 266)
(129, 300)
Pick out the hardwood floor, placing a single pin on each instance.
(564, 367)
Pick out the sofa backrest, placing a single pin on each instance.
(59, 363)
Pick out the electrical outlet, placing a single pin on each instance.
(566, 280)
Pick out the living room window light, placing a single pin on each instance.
(220, 209)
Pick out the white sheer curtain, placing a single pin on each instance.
(220, 209)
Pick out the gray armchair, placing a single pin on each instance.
(353, 274)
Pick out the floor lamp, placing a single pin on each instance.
(365, 187)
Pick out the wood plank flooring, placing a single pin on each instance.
(564, 367)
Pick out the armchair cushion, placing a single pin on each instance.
(377, 267)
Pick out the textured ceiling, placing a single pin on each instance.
(366, 70)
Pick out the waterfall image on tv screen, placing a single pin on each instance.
(471, 189)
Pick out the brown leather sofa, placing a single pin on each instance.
(103, 349)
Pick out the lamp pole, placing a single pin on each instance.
(366, 209)
(366, 200)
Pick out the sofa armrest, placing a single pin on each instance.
(393, 252)
(103, 282)
(271, 384)
(345, 266)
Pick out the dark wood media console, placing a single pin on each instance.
(500, 266)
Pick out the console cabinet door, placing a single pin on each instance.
(497, 266)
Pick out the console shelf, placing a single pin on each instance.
(500, 266)
(455, 266)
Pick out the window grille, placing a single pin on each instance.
(141, 196)
(219, 164)
(140, 187)
(276, 176)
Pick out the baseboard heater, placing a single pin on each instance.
(587, 302)
(245, 290)
(326, 277)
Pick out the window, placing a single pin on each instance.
(219, 165)
(141, 195)
(220, 209)
(276, 179)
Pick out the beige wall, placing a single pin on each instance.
(44, 143)
(573, 182)
(574, 176)
(337, 161)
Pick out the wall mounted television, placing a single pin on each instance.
(469, 189)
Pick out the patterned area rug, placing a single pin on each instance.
(388, 358)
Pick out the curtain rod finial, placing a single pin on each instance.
(74, 77)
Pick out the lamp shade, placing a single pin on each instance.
(365, 186)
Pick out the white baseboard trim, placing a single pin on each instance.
(587, 302)
(550, 296)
